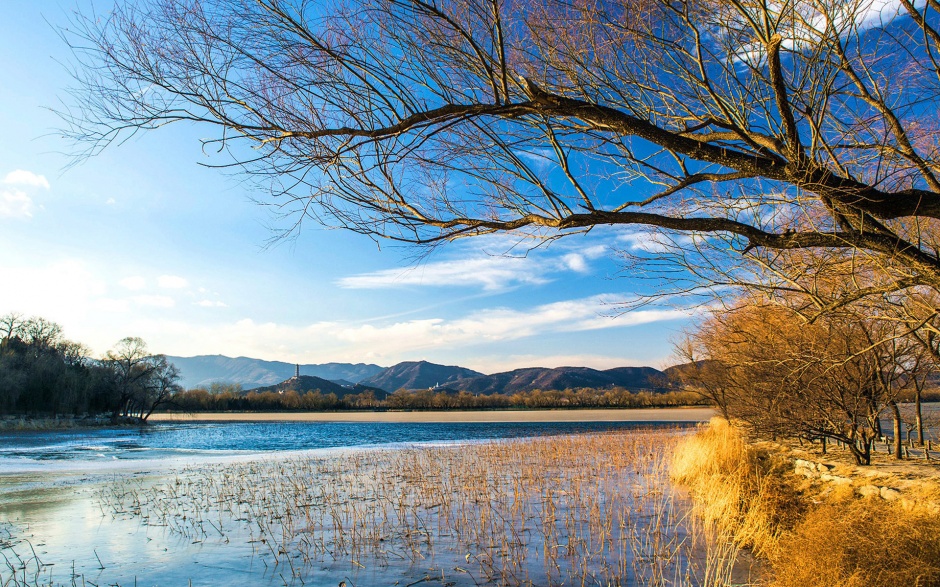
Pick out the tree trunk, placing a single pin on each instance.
(920, 419)
(876, 424)
(896, 417)
(861, 448)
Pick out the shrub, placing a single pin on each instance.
(860, 543)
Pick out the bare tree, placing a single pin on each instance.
(785, 377)
(760, 129)
(41, 334)
(130, 363)
(160, 386)
(699, 372)
(11, 325)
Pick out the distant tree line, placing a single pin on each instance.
(44, 374)
(218, 397)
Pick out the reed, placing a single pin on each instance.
(594, 509)
(742, 493)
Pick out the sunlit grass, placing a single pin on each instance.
(741, 493)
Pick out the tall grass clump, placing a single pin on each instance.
(860, 543)
(741, 493)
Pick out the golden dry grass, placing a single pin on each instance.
(741, 492)
(860, 543)
(830, 537)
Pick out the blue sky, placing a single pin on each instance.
(143, 241)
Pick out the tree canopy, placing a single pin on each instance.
(761, 129)
(42, 373)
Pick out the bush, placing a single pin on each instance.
(860, 543)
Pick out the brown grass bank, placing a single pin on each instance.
(809, 532)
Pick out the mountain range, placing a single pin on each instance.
(204, 370)
(339, 378)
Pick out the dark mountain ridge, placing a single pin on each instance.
(560, 378)
(419, 375)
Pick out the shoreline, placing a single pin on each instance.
(685, 414)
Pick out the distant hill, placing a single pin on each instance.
(204, 370)
(418, 375)
(561, 378)
(672, 374)
(254, 373)
(306, 383)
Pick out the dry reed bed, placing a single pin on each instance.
(593, 509)
(811, 536)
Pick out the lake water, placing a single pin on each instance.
(97, 447)
(368, 504)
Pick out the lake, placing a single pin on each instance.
(98, 447)
(368, 504)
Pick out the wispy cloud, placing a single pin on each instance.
(15, 200)
(172, 282)
(26, 178)
(15, 204)
(395, 341)
(652, 241)
(211, 304)
(154, 301)
(133, 283)
(490, 272)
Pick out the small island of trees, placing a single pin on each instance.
(44, 374)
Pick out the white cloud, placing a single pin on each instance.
(154, 301)
(635, 318)
(651, 241)
(112, 305)
(391, 342)
(110, 201)
(134, 283)
(62, 291)
(28, 178)
(575, 262)
(211, 304)
(16, 201)
(491, 272)
(172, 282)
(15, 204)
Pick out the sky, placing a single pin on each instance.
(145, 240)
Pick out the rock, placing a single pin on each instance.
(805, 472)
(868, 491)
(889, 494)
